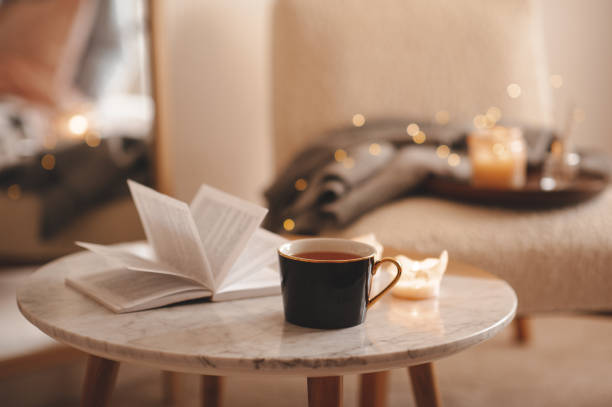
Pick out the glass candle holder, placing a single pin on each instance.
(499, 158)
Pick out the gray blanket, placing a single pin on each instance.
(338, 192)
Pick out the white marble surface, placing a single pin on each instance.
(251, 336)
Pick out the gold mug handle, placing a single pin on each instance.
(375, 268)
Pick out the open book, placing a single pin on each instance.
(212, 248)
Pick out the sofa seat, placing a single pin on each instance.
(556, 260)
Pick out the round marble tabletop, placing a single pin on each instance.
(251, 337)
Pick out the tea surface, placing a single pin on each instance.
(327, 256)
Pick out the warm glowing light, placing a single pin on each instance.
(480, 121)
(454, 160)
(419, 138)
(48, 162)
(548, 184)
(498, 149)
(412, 129)
(92, 140)
(301, 184)
(514, 90)
(573, 159)
(443, 151)
(349, 163)
(288, 224)
(579, 115)
(78, 124)
(340, 155)
(374, 149)
(14, 192)
(358, 120)
(494, 114)
(442, 117)
(556, 81)
(49, 142)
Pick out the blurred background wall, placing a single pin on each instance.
(578, 39)
(217, 58)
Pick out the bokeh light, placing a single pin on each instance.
(412, 129)
(78, 124)
(358, 120)
(288, 224)
(514, 90)
(301, 184)
(442, 151)
(48, 162)
(14, 192)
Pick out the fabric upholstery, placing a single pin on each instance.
(557, 260)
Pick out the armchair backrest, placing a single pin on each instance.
(398, 58)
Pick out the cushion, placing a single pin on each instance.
(41, 43)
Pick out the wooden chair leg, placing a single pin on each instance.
(522, 330)
(99, 381)
(212, 388)
(170, 388)
(424, 385)
(325, 391)
(373, 389)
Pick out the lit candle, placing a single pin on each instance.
(420, 279)
(499, 158)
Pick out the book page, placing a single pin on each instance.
(265, 282)
(123, 258)
(124, 290)
(260, 252)
(171, 231)
(225, 224)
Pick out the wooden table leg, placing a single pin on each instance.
(373, 389)
(424, 385)
(212, 387)
(99, 381)
(325, 391)
(522, 331)
(170, 388)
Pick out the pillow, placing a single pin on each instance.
(41, 43)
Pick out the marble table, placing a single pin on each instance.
(250, 336)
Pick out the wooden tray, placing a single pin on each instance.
(586, 186)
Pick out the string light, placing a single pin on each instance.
(498, 149)
(374, 149)
(494, 114)
(480, 121)
(454, 160)
(412, 129)
(419, 138)
(514, 90)
(92, 140)
(78, 124)
(14, 192)
(442, 117)
(340, 155)
(358, 120)
(48, 162)
(442, 151)
(50, 142)
(556, 81)
(301, 184)
(289, 224)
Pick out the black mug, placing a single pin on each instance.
(326, 282)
